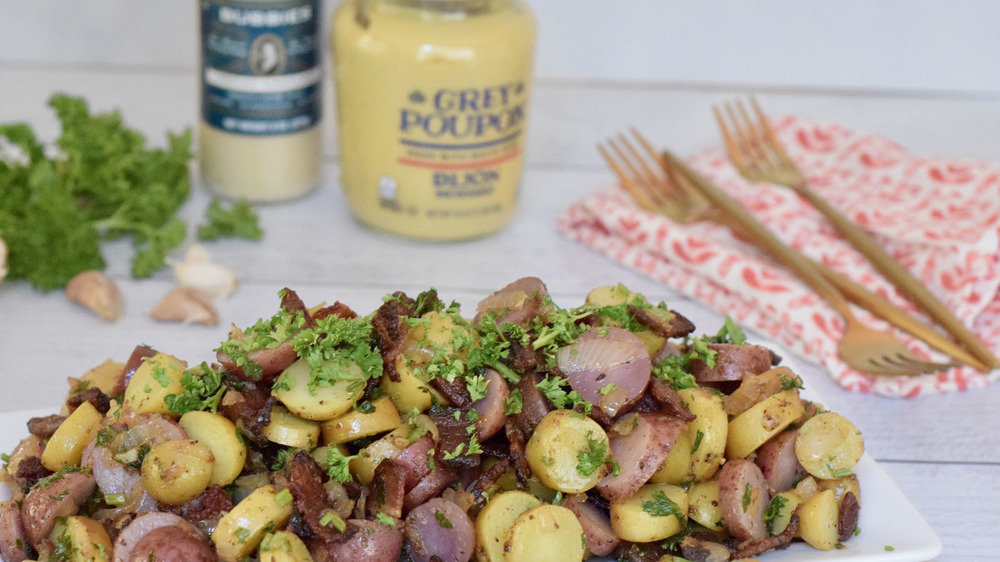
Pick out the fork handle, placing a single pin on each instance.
(794, 261)
(900, 277)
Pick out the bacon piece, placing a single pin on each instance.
(139, 353)
(100, 401)
(777, 542)
(391, 330)
(386, 490)
(847, 521)
(44, 427)
(305, 481)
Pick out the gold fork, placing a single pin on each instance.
(759, 156)
(669, 187)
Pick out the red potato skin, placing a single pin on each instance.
(13, 542)
(777, 461)
(173, 543)
(491, 408)
(427, 538)
(62, 497)
(734, 477)
(732, 362)
(272, 362)
(640, 453)
(601, 539)
(367, 541)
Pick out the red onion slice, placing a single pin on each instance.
(608, 366)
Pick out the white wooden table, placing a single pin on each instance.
(943, 452)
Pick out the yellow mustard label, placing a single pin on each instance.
(432, 116)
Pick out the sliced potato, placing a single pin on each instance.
(176, 472)
(356, 424)
(386, 447)
(103, 377)
(65, 447)
(708, 432)
(290, 430)
(818, 520)
(703, 505)
(676, 468)
(829, 445)
(841, 486)
(609, 295)
(324, 402)
(156, 378)
(409, 392)
(81, 539)
(222, 438)
(644, 517)
(788, 500)
(553, 450)
(495, 520)
(543, 534)
(762, 421)
(283, 546)
(241, 530)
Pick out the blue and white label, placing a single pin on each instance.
(261, 68)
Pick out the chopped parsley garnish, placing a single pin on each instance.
(203, 390)
(331, 519)
(662, 506)
(339, 465)
(676, 369)
(747, 497)
(698, 436)
(442, 520)
(265, 334)
(333, 345)
(790, 383)
(773, 511)
(385, 519)
(238, 221)
(283, 498)
(552, 388)
(730, 333)
(514, 403)
(595, 457)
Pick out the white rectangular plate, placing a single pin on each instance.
(891, 527)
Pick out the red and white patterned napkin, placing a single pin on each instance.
(938, 217)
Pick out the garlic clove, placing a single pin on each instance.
(3, 259)
(197, 271)
(97, 292)
(187, 305)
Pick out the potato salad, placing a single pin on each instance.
(519, 432)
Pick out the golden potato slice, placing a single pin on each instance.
(283, 546)
(290, 430)
(654, 513)
(788, 501)
(818, 520)
(176, 472)
(65, 447)
(677, 466)
(708, 432)
(156, 378)
(222, 438)
(356, 424)
(81, 539)
(241, 530)
(829, 445)
(553, 451)
(704, 506)
(547, 533)
(324, 402)
(495, 520)
(762, 421)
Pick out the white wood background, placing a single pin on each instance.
(924, 72)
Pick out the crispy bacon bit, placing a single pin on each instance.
(670, 399)
(391, 329)
(777, 542)
(338, 309)
(848, 519)
(487, 481)
(386, 490)
(517, 443)
(45, 426)
(29, 471)
(250, 409)
(452, 433)
(664, 323)
(209, 506)
(534, 404)
(305, 481)
(100, 401)
(455, 391)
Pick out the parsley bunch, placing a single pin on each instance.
(104, 183)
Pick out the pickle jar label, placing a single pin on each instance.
(261, 71)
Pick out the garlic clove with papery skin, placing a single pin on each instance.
(197, 271)
(3, 259)
(187, 305)
(97, 292)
